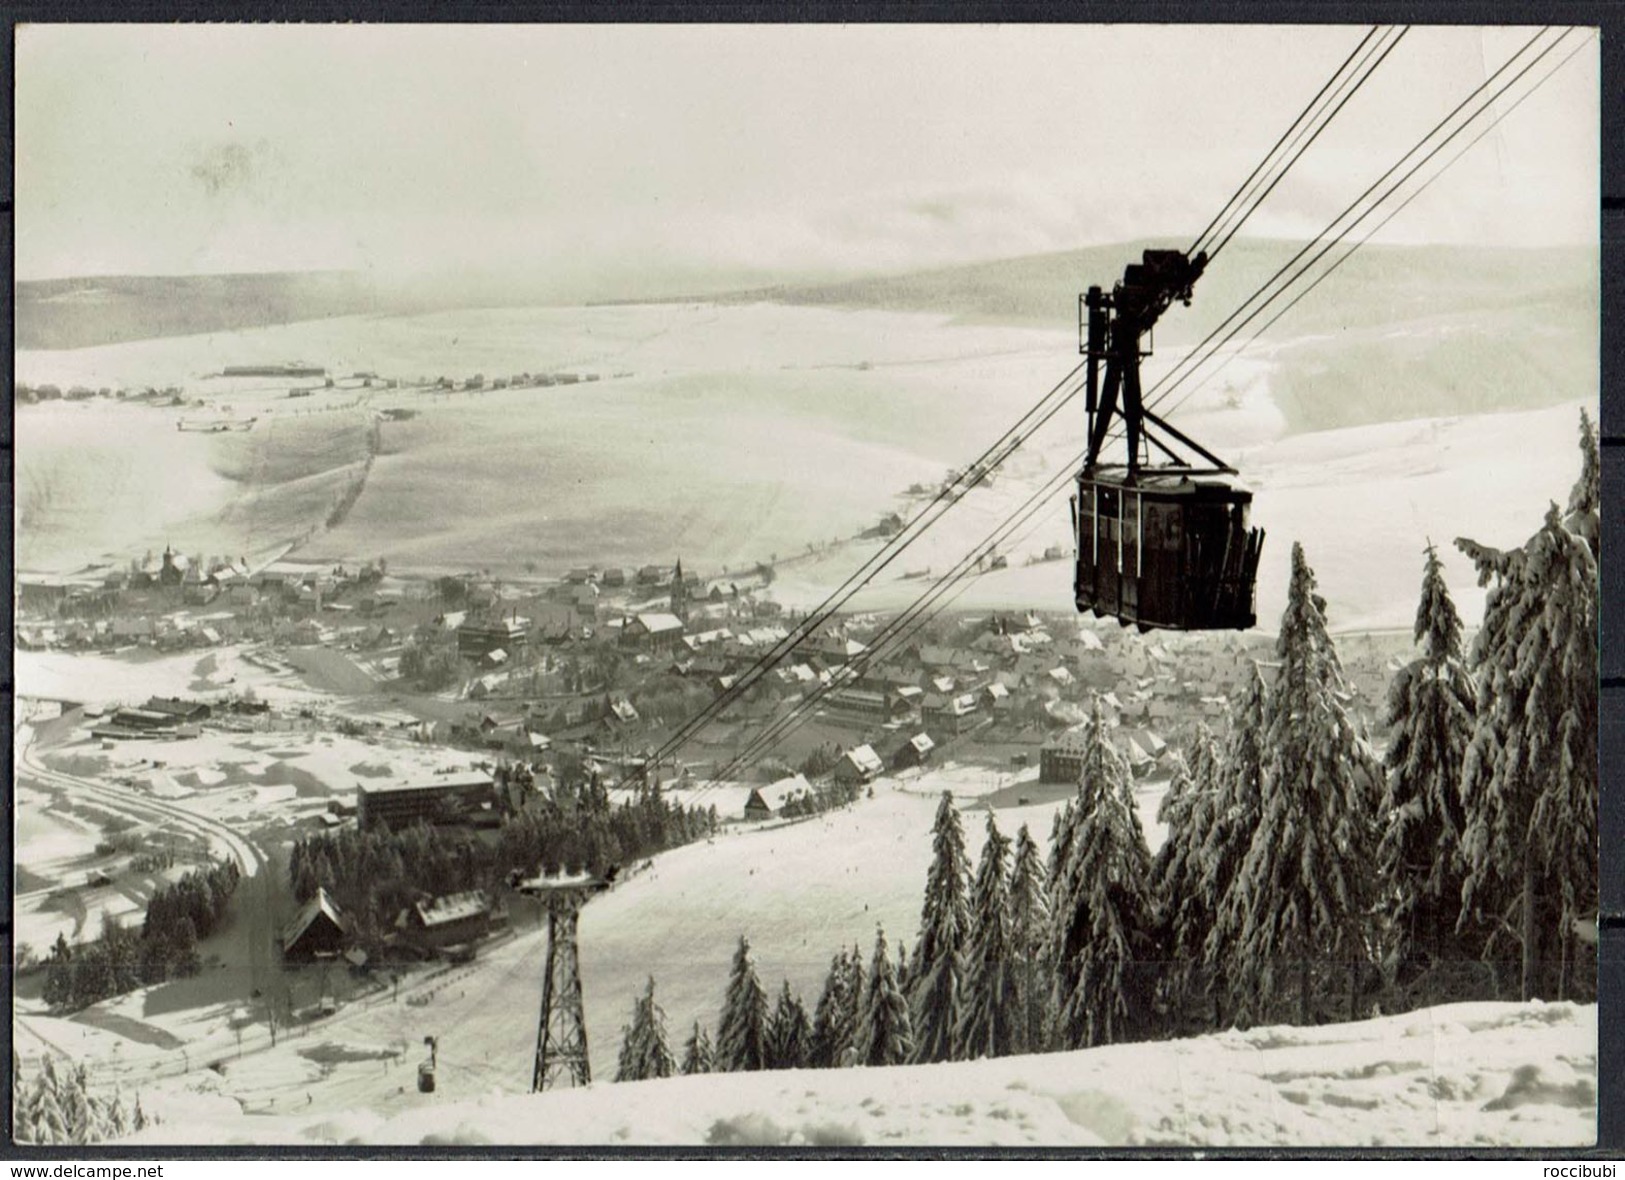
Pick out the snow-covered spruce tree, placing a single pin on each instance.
(885, 1036)
(59, 974)
(857, 994)
(644, 1052)
(789, 1034)
(1431, 705)
(990, 1010)
(1184, 906)
(834, 1022)
(934, 977)
(742, 1032)
(697, 1055)
(1104, 906)
(1529, 778)
(1239, 780)
(1304, 889)
(1029, 943)
(55, 1106)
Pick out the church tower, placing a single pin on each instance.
(679, 592)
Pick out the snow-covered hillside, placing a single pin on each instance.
(1461, 1075)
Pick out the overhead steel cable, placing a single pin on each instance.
(1541, 81)
(1213, 250)
(793, 718)
(887, 639)
(952, 491)
(1258, 169)
(1190, 366)
(995, 455)
(1315, 118)
(1010, 441)
(1187, 364)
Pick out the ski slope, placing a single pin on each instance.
(799, 891)
(1462, 1075)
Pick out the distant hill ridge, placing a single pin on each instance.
(1378, 284)
(84, 312)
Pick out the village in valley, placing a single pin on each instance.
(266, 708)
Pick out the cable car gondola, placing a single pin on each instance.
(426, 1070)
(1161, 544)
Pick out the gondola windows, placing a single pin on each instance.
(1119, 531)
(1094, 525)
(1084, 506)
(1128, 552)
(1171, 553)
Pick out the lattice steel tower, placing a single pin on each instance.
(561, 1033)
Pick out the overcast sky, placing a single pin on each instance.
(154, 149)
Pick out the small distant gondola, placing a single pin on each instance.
(1160, 544)
(427, 1069)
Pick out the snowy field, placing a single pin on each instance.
(713, 432)
(131, 677)
(1462, 1075)
(799, 891)
(1364, 501)
(742, 434)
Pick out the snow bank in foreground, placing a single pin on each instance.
(1464, 1074)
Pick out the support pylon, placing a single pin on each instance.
(561, 1034)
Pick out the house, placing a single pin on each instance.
(857, 702)
(196, 588)
(706, 666)
(699, 639)
(831, 650)
(136, 723)
(452, 919)
(1150, 742)
(906, 700)
(180, 711)
(913, 752)
(318, 930)
(1060, 760)
(1139, 759)
(997, 697)
(478, 638)
(971, 669)
(799, 674)
(881, 677)
(954, 714)
(656, 631)
(858, 765)
(454, 798)
(1000, 646)
(133, 630)
(766, 802)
